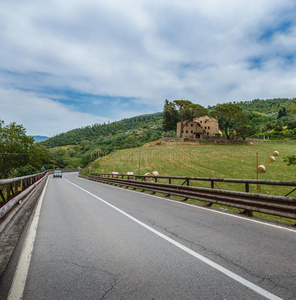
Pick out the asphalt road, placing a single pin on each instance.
(95, 241)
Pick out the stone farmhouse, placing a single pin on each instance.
(199, 128)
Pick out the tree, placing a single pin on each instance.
(14, 147)
(38, 157)
(170, 116)
(292, 124)
(244, 131)
(188, 111)
(282, 113)
(229, 115)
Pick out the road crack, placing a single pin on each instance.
(273, 284)
(91, 268)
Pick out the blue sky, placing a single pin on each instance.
(72, 63)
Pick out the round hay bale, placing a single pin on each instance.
(154, 173)
(148, 178)
(130, 175)
(250, 143)
(276, 153)
(261, 169)
(271, 158)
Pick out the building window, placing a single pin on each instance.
(191, 131)
(208, 133)
(191, 125)
(186, 131)
(209, 127)
(200, 122)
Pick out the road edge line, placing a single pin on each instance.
(19, 280)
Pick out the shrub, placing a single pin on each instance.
(290, 160)
(292, 125)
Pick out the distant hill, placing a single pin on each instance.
(269, 106)
(145, 128)
(113, 134)
(271, 118)
(267, 115)
(40, 138)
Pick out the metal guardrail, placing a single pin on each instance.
(248, 202)
(10, 188)
(14, 190)
(188, 180)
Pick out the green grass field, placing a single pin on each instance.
(207, 160)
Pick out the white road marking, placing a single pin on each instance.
(202, 258)
(19, 281)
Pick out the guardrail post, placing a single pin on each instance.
(246, 212)
(212, 184)
(186, 181)
(15, 187)
(247, 187)
(7, 191)
(2, 196)
(170, 181)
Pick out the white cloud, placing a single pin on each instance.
(207, 51)
(41, 115)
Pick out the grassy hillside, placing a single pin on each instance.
(84, 144)
(206, 160)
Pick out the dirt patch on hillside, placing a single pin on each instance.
(171, 142)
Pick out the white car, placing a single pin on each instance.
(57, 173)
